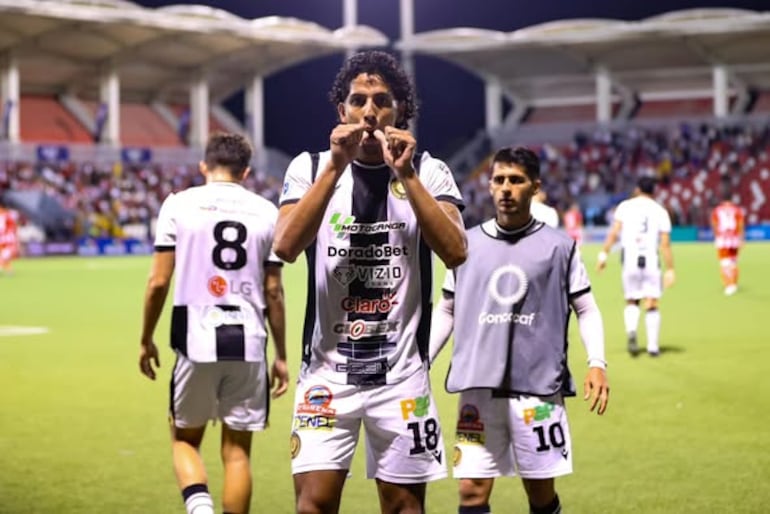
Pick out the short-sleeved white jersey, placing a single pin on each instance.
(642, 221)
(222, 235)
(369, 300)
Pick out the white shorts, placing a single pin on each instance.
(404, 444)
(641, 283)
(523, 435)
(235, 392)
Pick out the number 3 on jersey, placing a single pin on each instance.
(225, 241)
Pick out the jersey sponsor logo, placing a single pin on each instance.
(313, 422)
(377, 367)
(369, 305)
(489, 318)
(470, 437)
(360, 328)
(534, 409)
(373, 277)
(397, 189)
(213, 317)
(368, 253)
(219, 286)
(317, 401)
(343, 226)
(415, 406)
(507, 286)
(469, 419)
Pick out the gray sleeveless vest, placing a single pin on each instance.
(511, 312)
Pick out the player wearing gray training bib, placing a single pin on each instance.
(509, 306)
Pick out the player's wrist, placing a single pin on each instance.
(597, 363)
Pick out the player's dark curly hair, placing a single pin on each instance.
(382, 64)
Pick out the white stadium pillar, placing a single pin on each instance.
(350, 18)
(110, 97)
(493, 97)
(11, 96)
(603, 96)
(721, 84)
(199, 112)
(255, 117)
(406, 13)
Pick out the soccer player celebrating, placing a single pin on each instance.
(368, 212)
(509, 305)
(228, 287)
(644, 227)
(727, 220)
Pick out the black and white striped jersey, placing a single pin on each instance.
(369, 299)
(222, 235)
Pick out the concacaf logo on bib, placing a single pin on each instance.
(517, 285)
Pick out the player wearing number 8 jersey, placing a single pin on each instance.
(509, 306)
(218, 238)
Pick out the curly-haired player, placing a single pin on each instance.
(367, 213)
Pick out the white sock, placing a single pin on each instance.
(199, 503)
(652, 320)
(631, 317)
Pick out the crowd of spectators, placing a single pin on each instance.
(105, 199)
(595, 170)
(599, 170)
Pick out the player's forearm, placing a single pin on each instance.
(297, 228)
(591, 329)
(276, 321)
(441, 326)
(668, 257)
(444, 235)
(154, 299)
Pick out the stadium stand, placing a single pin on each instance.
(603, 101)
(44, 119)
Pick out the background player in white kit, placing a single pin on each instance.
(218, 237)
(509, 305)
(644, 228)
(367, 213)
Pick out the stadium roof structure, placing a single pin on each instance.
(67, 45)
(665, 56)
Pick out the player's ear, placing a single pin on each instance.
(341, 112)
(203, 168)
(246, 172)
(536, 184)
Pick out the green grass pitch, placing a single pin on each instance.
(82, 431)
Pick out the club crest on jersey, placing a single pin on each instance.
(397, 189)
